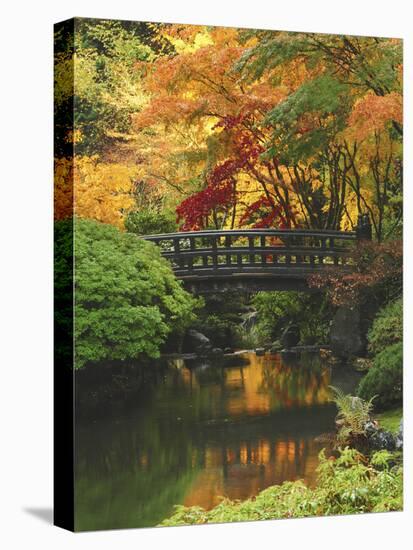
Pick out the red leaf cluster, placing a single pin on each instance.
(266, 212)
(220, 190)
(194, 210)
(376, 265)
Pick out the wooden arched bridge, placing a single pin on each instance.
(256, 259)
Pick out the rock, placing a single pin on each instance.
(334, 360)
(378, 438)
(361, 364)
(398, 441)
(345, 333)
(228, 350)
(197, 342)
(250, 320)
(259, 351)
(275, 346)
(371, 428)
(217, 352)
(382, 440)
(325, 353)
(399, 437)
(305, 349)
(356, 402)
(290, 337)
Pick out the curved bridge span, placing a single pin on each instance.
(255, 259)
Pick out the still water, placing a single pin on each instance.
(203, 433)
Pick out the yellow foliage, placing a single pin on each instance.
(200, 39)
(92, 189)
(63, 78)
(63, 188)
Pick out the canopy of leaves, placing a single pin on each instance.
(102, 57)
(126, 298)
(234, 128)
(321, 116)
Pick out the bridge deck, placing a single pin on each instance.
(257, 258)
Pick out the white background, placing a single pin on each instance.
(26, 271)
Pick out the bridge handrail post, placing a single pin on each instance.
(228, 244)
(177, 251)
(363, 228)
(251, 245)
(263, 254)
(214, 252)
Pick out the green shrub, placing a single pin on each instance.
(349, 484)
(385, 377)
(387, 328)
(222, 331)
(220, 318)
(127, 299)
(149, 222)
(277, 309)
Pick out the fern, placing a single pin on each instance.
(353, 414)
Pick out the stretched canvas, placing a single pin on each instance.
(228, 274)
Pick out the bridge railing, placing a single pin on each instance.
(203, 252)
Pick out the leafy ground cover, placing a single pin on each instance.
(347, 484)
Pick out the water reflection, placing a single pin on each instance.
(205, 432)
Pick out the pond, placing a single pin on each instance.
(202, 432)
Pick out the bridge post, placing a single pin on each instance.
(214, 252)
(177, 251)
(363, 228)
(262, 245)
(228, 244)
(251, 245)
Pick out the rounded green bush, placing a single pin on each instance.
(387, 328)
(385, 378)
(127, 299)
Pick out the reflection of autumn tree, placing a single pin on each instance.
(297, 383)
(238, 471)
(203, 433)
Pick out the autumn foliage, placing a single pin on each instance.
(230, 128)
(376, 268)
